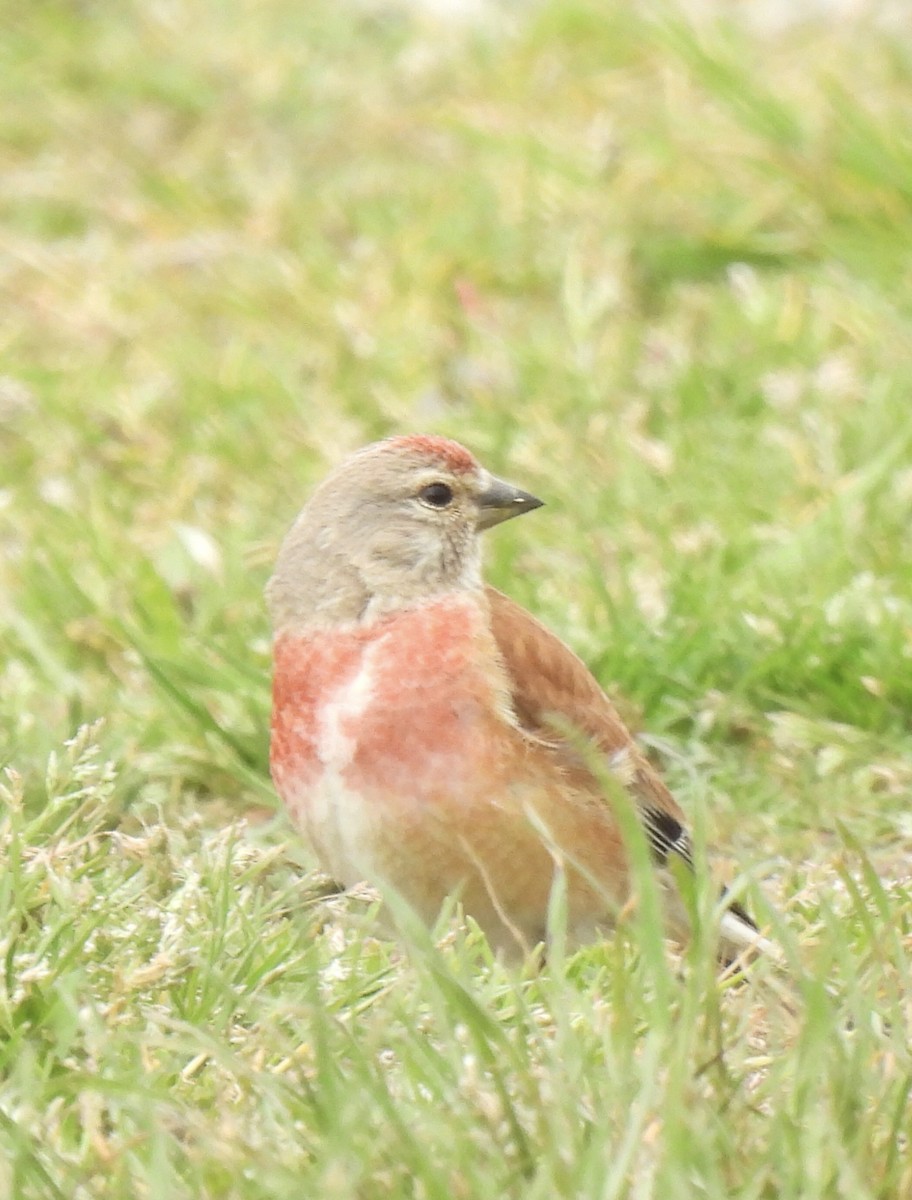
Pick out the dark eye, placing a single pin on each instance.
(437, 495)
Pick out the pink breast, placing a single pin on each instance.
(422, 720)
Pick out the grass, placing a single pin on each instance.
(653, 267)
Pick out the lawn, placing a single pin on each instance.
(655, 268)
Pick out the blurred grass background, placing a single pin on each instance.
(652, 263)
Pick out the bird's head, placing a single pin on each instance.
(396, 523)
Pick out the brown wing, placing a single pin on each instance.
(553, 689)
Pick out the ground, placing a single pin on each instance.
(654, 268)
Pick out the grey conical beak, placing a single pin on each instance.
(501, 500)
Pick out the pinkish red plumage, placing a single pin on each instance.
(440, 698)
(447, 453)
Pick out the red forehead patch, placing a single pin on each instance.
(448, 453)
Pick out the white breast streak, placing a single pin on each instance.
(340, 816)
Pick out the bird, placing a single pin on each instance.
(431, 736)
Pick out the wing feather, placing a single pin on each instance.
(553, 691)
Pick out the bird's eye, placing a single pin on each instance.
(437, 495)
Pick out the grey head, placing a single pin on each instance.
(395, 523)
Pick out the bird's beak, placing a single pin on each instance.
(501, 500)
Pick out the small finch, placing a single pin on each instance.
(429, 735)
